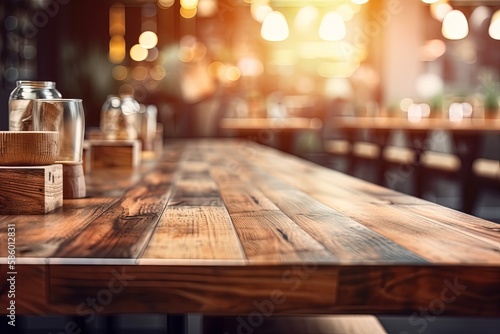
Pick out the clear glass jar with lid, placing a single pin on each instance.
(21, 102)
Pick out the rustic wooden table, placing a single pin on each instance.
(228, 227)
(466, 135)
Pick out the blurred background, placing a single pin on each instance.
(200, 62)
(178, 54)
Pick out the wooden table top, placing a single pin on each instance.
(229, 227)
(400, 123)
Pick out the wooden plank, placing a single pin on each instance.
(195, 192)
(439, 290)
(293, 289)
(348, 240)
(30, 189)
(476, 227)
(434, 242)
(224, 289)
(195, 233)
(272, 237)
(124, 230)
(42, 236)
(266, 233)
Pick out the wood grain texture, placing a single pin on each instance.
(221, 226)
(188, 232)
(28, 148)
(124, 229)
(73, 181)
(30, 189)
(114, 153)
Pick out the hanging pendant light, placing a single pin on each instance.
(494, 29)
(274, 28)
(332, 27)
(455, 25)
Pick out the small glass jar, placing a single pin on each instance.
(66, 116)
(21, 102)
(118, 119)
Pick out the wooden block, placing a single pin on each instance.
(114, 153)
(30, 189)
(73, 181)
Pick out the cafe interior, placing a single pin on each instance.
(404, 94)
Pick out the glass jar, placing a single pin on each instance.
(66, 116)
(21, 102)
(118, 119)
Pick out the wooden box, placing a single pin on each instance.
(30, 189)
(113, 154)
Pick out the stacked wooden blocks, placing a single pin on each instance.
(30, 181)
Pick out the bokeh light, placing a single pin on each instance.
(158, 72)
(148, 39)
(139, 73)
(138, 53)
(119, 72)
(165, 3)
(274, 28)
(188, 13)
(117, 49)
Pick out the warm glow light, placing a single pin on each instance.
(250, 67)
(455, 25)
(439, 10)
(117, 20)
(189, 4)
(158, 72)
(188, 13)
(207, 8)
(274, 28)
(215, 68)
(305, 18)
(337, 69)
(185, 54)
(140, 73)
(232, 73)
(359, 2)
(117, 49)
(148, 39)
(138, 53)
(259, 10)
(199, 51)
(432, 50)
(332, 27)
(494, 29)
(119, 73)
(165, 3)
